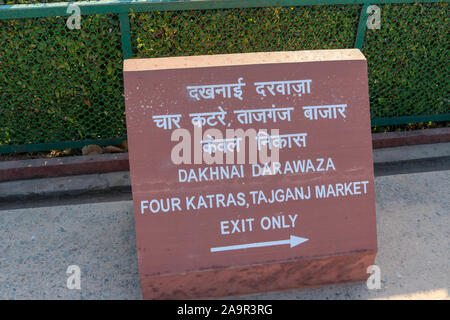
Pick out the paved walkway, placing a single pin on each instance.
(38, 244)
(405, 159)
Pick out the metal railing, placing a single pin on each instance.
(63, 88)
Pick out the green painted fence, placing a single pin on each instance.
(63, 88)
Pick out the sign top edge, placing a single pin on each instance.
(236, 59)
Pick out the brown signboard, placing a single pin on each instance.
(211, 220)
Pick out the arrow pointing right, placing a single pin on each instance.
(293, 241)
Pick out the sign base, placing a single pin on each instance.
(260, 278)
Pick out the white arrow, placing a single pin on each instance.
(293, 241)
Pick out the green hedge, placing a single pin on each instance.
(176, 33)
(408, 60)
(58, 84)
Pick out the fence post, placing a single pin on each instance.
(361, 31)
(125, 35)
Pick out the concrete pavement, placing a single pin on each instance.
(405, 159)
(37, 245)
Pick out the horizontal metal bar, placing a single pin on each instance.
(121, 6)
(117, 141)
(410, 119)
(58, 145)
